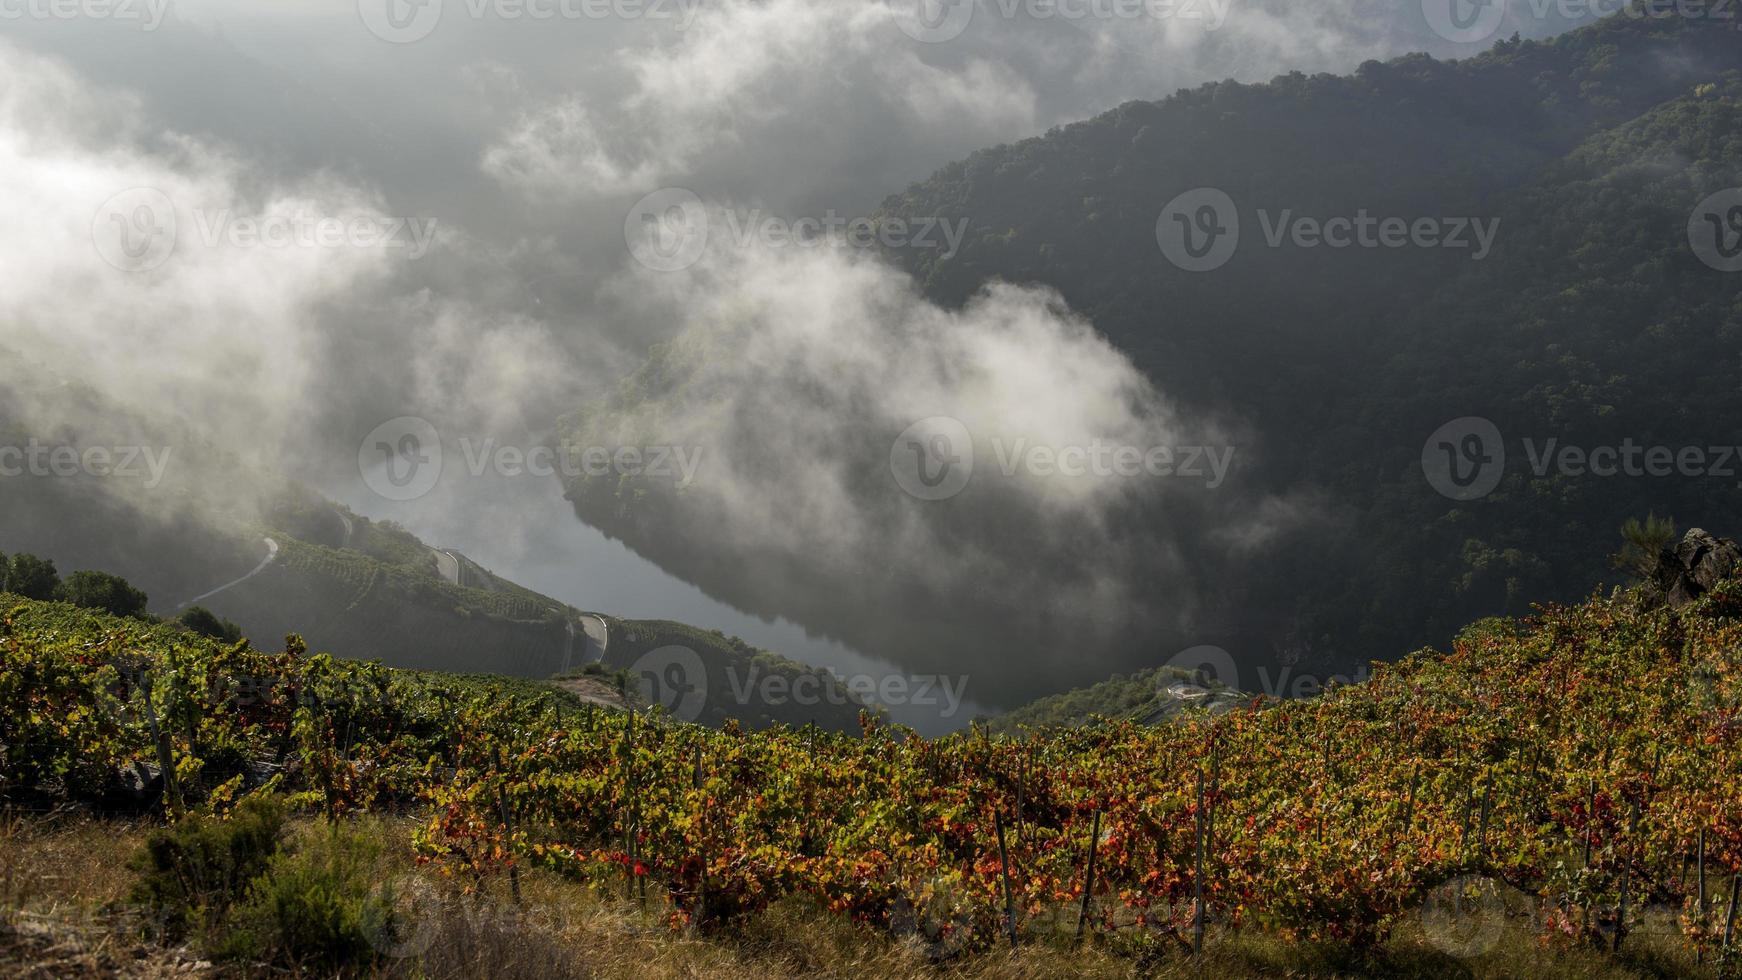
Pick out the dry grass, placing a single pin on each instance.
(575, 932)
(63, 861)
(62, 880)
(562, 930)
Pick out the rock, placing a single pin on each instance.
(256, 773)
(1691, 567)
(134, 787)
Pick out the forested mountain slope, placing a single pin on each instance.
(1591, 320)
(1561, 297)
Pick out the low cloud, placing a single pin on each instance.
(271, 343)
(798, 370)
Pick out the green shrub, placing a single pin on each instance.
(207, 623)
(317, 905)
(100, 590)
(193, 871)
(1641, 543)
(1491, 629)
(32, 578)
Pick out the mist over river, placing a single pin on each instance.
(523, 530)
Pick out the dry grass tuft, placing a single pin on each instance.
(64, 860)
(64, 880)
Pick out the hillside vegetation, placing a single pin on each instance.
(1147, 696)
(1575, 777)
(733, 678)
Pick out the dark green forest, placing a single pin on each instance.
(1592, 322)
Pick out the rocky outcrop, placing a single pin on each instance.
(1689, 568)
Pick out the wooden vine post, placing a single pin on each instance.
(640, 878)
(702, 881)
(1198, 876)
(629, 829)
(508, 828)
(1730, 919)
(1206, 837)
(1626, 880)
(1700, 893)
(1089, 878)
(1409, 805)
(1004, 862)
(1700, 876)
(1487, 811)
(1590, 818)
(165, 759)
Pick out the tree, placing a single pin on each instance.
(32, 577)
(1641, 543)
(2, 571)
(100, 590)
(207, 623)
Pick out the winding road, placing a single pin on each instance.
(448, 566)
(597, 640)
(451, 566)
(350, 529)
(271, 555)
